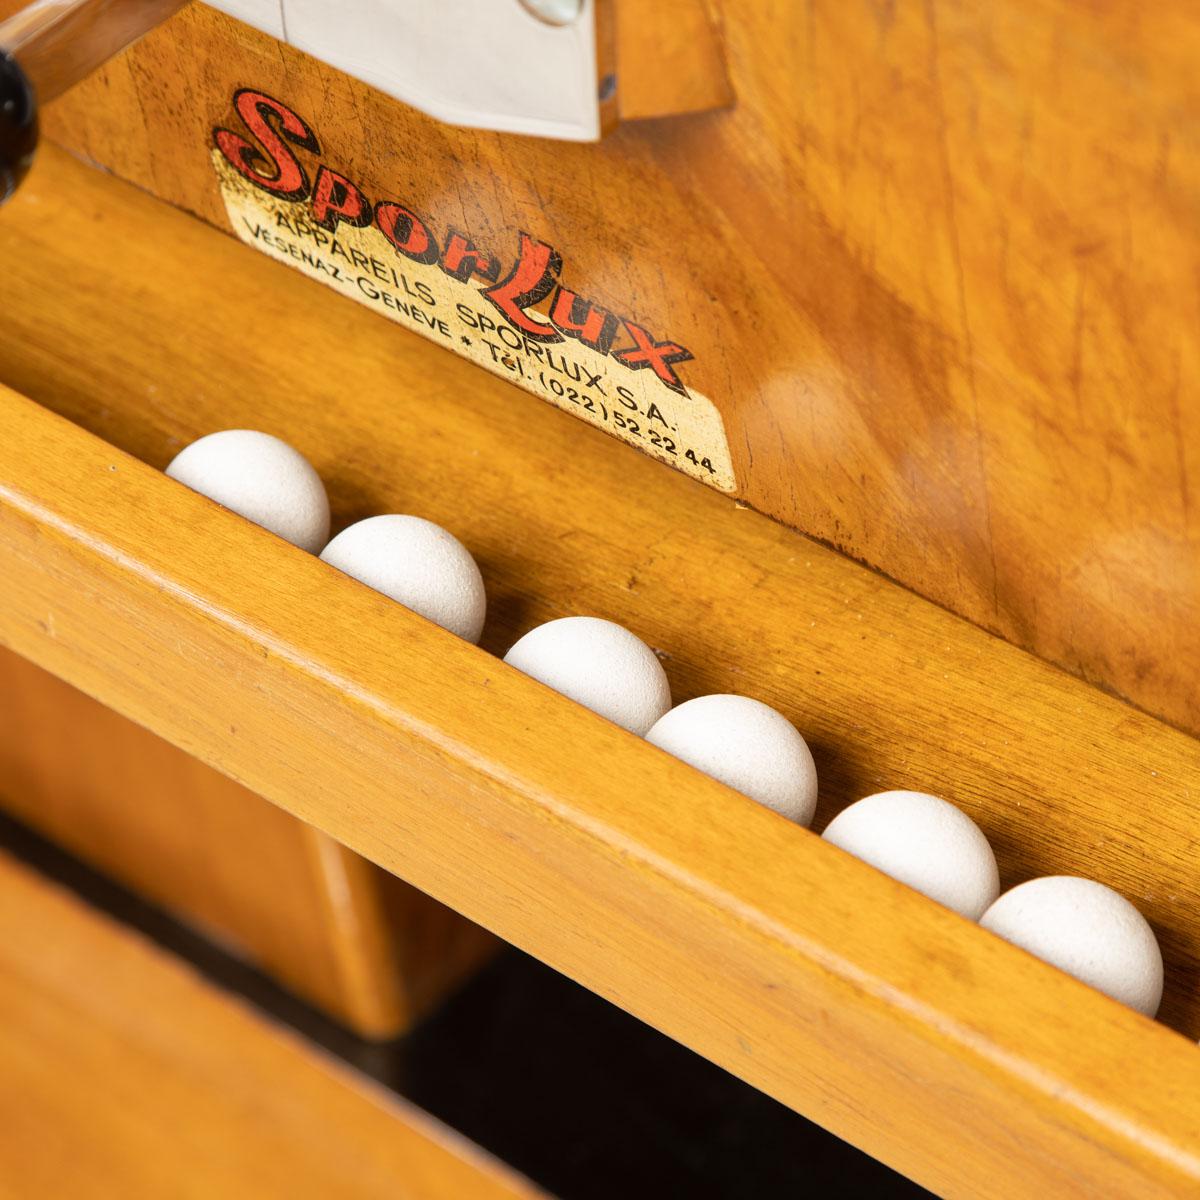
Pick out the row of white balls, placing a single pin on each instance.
(1081, 926)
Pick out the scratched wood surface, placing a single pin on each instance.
(124, 1074)
(371, 951)
(956, 1058)
(937, 267)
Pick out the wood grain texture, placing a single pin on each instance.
(124, 1074)
(947, 1053)
(373, 952)
(937, 268)
(670, 58)
(166, 825)
(60, 42)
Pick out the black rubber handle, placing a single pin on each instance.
(18, 125)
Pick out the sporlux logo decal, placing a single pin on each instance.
(515, 316)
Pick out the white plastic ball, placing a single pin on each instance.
(598, 664)
(748, 746)
(418, 564)
(924, 842)
(260, 478)
(1087, 930)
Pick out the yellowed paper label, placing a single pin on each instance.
(616, 383)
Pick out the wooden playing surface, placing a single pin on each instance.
(125, 1074)
(936, 266)
(956, 1058)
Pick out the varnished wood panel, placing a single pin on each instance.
(124, 1074)
(923, 1039)
(937, 267)
(670, 58)
(368, 949)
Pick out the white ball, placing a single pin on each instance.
(418, 564)
(924, 842)
(1087, 930)
(747, 745)
(597, 664)
(260, 478)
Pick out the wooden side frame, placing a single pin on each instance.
(958, 1059)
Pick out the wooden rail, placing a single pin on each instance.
(126, 1075)
(888, 1019)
